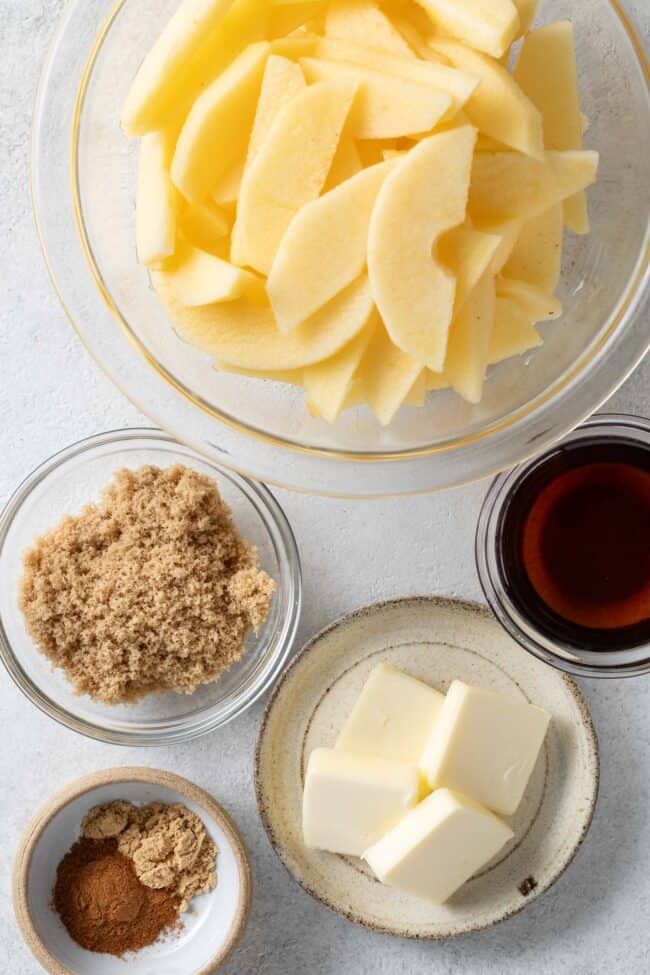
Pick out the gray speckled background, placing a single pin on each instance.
(594, 921)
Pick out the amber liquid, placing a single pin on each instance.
(576, 544)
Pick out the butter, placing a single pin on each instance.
(438, 846)
(393, 717)
(485, 745)
(350, 801)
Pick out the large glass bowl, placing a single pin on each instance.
(62, 486)
(84, 172)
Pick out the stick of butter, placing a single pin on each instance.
(393, 717)
(485, 745)
(350, 800)
(438, 846)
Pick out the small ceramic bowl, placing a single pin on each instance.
(210, 931)
(63, 485)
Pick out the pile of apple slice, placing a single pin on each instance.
(359, 196)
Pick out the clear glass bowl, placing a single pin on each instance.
(76, 476)
(84, 171)
(630, 662)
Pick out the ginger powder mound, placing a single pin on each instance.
(152, 589)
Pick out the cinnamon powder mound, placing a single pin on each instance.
(104, 905)
(152, 589)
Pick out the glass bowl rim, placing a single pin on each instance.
(558, 402)
(532, 639)
(188, 727)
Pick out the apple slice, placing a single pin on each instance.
(539, 305)
(513, 333)
(227, 188)
(508, 232)
(289, 170)
(197, 278)
(199, 41)
(282, 81)
(156, 201)
(205, 226)
(537, 254)
(546, 71)
(459, 85)
(324, 248)
(487, 25)
(328, 383)
(468, 254)
(527, 13)
(245, 335)
(469, 342)
(218, 127)
(386, 375)
(498, 107)
(511, 186)
(424, 196)
(387, 107)
(362, 22)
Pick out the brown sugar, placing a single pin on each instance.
(103, 904)
(152, 589)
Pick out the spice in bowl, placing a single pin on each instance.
(134, 870)
(152, 589)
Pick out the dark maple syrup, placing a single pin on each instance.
(575, 544)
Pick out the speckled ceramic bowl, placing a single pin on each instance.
(435, 640)
(210, 931)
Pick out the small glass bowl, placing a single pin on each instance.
(583, 663)
(76, 476)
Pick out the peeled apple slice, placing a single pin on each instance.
(324, 248)
(511, 186)
(198, 278)
(537, 254)
(469, 342)
(206, 226)
(424, 196)
(199, 41)
(487, 25)
(459, 85)
(513, 333)
(156, 201)
(217, 129)
(527, 13)
(289, 170)
(362, 22)
(387, 376)
(282, 81)
(328, 383)
(468, 254)
(546, 71)
(245, 335)
(498, 106)
(386, 107)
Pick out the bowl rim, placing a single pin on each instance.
(244, 436)
(180, 730)
(88, 783)
(365, 610)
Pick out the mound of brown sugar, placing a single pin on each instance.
(150, 590)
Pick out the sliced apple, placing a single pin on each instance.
(218, 127)
(205, 225)
(418, 391)
(508, 232)
(424, 196)
(197, 278)
(546, 71)
(346, 163)
(498, 107)
(511, 186)
(156, 201)
(527, 13)
(363, 22)
(328, 383)
(282, 81)
(469, 342)
(199, 41)
(537, 254)
(324, 248)
(245, 335)
(289, 170)
(539, 305)
(387, 107)
(386, 375)
(468, 254)
(487, 25)
(227, 188)
(513, 333)
(459, 85)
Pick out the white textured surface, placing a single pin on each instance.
(594, 921)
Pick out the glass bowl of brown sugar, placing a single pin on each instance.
(76, 477)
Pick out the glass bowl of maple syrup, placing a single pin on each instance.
(563, 550)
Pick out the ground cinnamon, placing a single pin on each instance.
(104, 905)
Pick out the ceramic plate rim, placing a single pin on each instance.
(366, 610)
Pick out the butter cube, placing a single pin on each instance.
(485, 745)
(393, 718)
(437, 846)
(350, 800)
